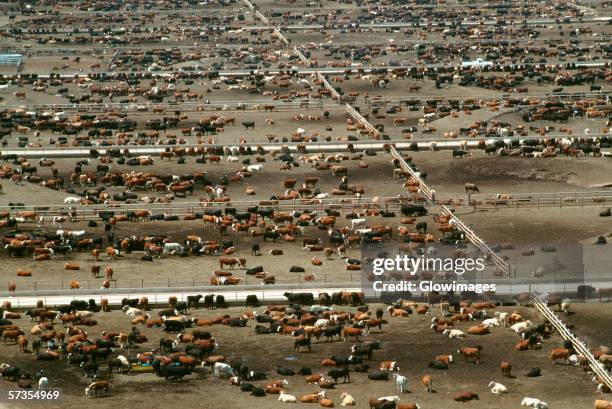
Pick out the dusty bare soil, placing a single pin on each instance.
(403, 340)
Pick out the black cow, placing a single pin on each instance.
(534, 373)
(324, 299)
(379, 376)
(421, 227)
(168, 312)
(337, 373)
(330, 331)
(181, 307)
(258, 392)
(248, 124)
(271, 235)
(209, 301)
(193, 300)
(301, 342)
(285, 371)
(261, 330)
(90, 368)
(166, 344)
(256, 375)
(132, 302)
(254, 270)
(246, 387)
(438, 365)
(413, 210)
(300, 298)
(173, 326)
(255, 251)
(252, 301)
(12, 373)
(297, 269)
(174, 373)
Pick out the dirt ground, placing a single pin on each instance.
(495, 175)
(402, 340)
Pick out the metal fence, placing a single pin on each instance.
(568, 335)
(85, 212)
(339, 279)
(426, 190)
(601, 198)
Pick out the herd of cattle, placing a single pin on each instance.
(305, 323)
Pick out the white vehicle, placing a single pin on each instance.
(478, 63)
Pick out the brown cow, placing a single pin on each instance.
(465, 396)
(470, 353)
(232, 261)
(559, 353)
(24, 273)
(348, 332)
(427, 382)
(505, 368)
(522, 345)
(71, 266)
(478, 330)
(95, 270)
(22, 341)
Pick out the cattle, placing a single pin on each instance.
(559, 353)
(96, 389)
(401, 383)
(470, 353)
(222, 370)
(505, 368)
(471, 188)
(465, 396)
(602, 404)
(379, 375)
(301, 342)
(454, 333)
(347, 400)
(534, 403)
(348, 332)
(337, 373)
(286, 398)
(438, 365)
(300, 298)
(389, 366)
(497, 388)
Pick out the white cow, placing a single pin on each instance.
(492, 322)
(401, 382)
(497, 388)
(322, 195)
(132, 312)
(222, 370)
(534, 403)
(72, 200)
(358, 223)
(454, 333)
(285, 397)
(321, 323)
(566, 304)
(503, 317)
(232, 158)
(43, 383)
(124, 362)
(389, 398)
(83, 314)
(520, 327)
(347, 400)
(172, 248)
(255, 168)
